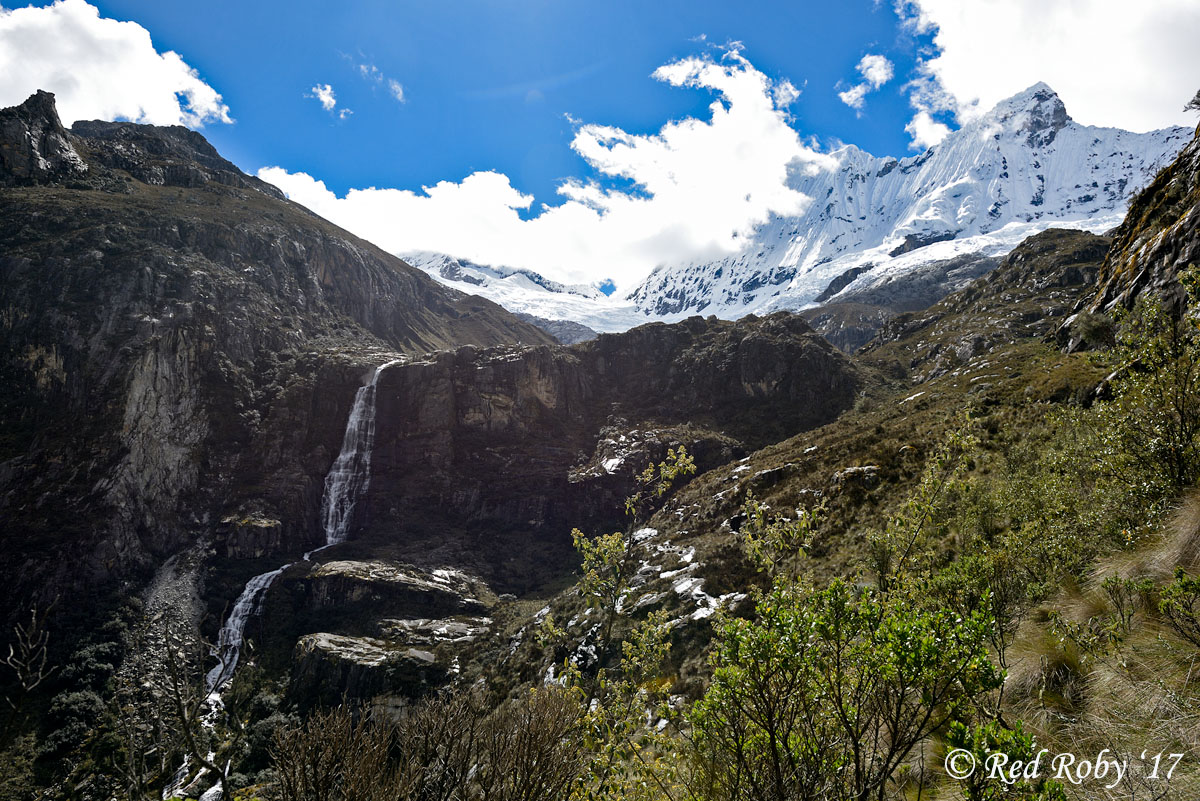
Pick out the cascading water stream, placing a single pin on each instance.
(347, 480)
(345, 483)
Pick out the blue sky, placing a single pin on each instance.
(587, 141)
(488, 85)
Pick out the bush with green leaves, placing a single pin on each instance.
(1151, 426)
(1180, 606)
(1000, 754)
(911, 542)
(827, 693)
(608, 560)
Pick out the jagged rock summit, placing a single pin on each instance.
(1160, 237)
(34, 146)
(1037, 112)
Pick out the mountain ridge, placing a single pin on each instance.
(1023, 167)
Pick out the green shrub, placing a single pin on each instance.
(827, 693)
(1180, 606)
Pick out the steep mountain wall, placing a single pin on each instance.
(1160, 236)
(486, 458)
(173, 335)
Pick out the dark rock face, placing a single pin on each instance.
(164, 155)
(326, 668)
(924, 286)
(487, 458)
(917, 241)
(1159, 236)
(848, 326)
(361, 628)
(385, 589)
(1046, 117)
(34, 146)
(179, 346)
(841, 282)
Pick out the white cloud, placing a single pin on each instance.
(396, 89)
(1113, 62)
(925, 130)
(701, 188)
(99, 68)
(853, 97)
(876, 70)
(323, 92)
(785, 93)
(375, 75)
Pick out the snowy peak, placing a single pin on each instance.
(1023, 167)
(1037, 115)
(462, 271)
(875, 224)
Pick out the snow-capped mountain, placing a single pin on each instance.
(1023, 167)
(526, 292)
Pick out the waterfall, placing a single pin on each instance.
(344, 485)
(229, 643)
(351, 473)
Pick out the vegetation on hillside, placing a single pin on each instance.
(1025, 576)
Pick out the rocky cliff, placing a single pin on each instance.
(174, 334)
(484, 459)
(487, 458)
(1158, 238)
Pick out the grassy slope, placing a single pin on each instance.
(994, 350)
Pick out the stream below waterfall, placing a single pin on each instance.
(345, 484)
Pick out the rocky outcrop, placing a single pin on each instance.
(854, 317)
(329, 668)
(248, 536)
(1159, 237)
(923, 286)
(388, 589)
(848, 326)
(1029, 295)
(163, 155)
(34, 146)
(361, 628)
